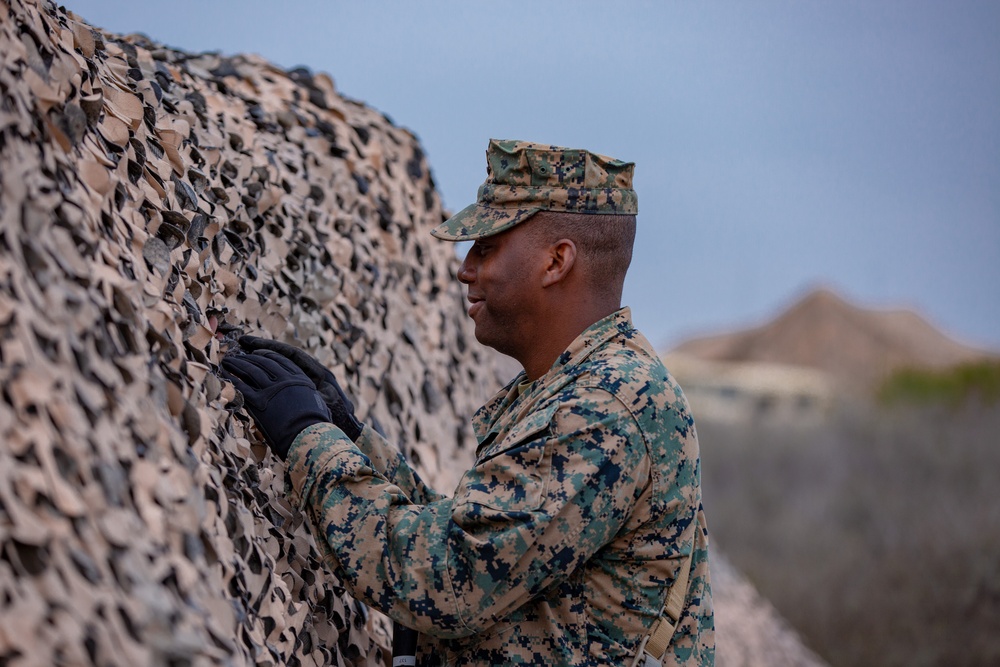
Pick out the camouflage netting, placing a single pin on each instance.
(152, 204)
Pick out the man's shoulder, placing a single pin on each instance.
(626, 363)
(623, 375)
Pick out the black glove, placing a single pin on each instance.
(280, 398)
(341, 408)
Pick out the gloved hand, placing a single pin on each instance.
(281, 398)
(341, 408)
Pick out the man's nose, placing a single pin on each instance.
(466, 272)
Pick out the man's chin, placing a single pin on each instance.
(500, 344)
(483, 335)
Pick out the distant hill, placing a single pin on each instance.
(856, 346)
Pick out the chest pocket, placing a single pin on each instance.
(511, 472)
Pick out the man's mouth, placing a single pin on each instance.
(475, 305)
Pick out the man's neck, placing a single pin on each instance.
(560, 332)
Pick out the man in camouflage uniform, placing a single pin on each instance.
(582, 513)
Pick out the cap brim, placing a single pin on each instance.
(477, 221)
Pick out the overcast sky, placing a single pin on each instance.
(779, 145)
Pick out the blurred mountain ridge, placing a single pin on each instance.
(856, 346)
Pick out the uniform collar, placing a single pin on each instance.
(592, 338)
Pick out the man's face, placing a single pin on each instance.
(503, 275)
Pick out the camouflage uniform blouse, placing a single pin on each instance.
(559, 545)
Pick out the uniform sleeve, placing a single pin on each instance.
(535, 506)
(389, 462)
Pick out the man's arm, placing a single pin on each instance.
(389, 462)
(387, 459)
(524, 517)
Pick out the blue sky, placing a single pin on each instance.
(779, 145)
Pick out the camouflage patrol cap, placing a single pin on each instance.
(523, 178)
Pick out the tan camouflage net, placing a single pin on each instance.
(152, 204)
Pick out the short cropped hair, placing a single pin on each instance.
(603, 241)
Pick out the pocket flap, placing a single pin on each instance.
(511, 473)
(535, 423)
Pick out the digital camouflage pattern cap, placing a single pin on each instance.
(523, 178)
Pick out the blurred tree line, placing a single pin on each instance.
(877, 534)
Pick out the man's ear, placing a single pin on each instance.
(561, 258)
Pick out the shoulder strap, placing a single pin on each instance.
(654, 645)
